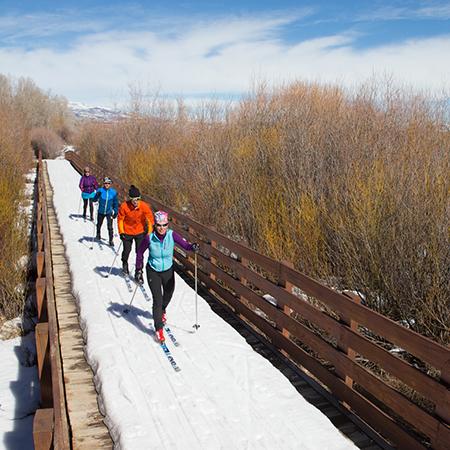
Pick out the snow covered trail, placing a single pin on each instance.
(226, 396)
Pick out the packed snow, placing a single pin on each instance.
(226, 396)
(19, 392)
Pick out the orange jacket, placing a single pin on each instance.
(131, 220)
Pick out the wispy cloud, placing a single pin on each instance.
(387, 13)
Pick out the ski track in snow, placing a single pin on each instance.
(226, 396)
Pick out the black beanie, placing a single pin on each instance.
(134, 192)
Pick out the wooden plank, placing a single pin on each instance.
(43, 429)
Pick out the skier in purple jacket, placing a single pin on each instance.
(88, 186)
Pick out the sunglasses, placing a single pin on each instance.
(106, 183)
(135, 199)
(164, 225)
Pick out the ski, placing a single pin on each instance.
(127, 279)
(171, 336)
(144, 292)
(169, 356)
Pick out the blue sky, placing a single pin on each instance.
(94, 51)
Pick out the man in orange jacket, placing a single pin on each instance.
(135, 220)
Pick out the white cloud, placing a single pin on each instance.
(436, 11)
(219, 57)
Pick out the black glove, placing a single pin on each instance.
(195, 247)
(122, 236)
(114, 215)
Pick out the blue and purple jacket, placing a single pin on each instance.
(155, 236)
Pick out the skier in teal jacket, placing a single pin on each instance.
(159, 269)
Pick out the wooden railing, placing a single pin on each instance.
(327, 333)
(50, 426)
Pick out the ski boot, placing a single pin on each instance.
(138, 276)
(164, 318)
(160, 336)
(125, 268)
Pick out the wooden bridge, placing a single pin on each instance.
(334, 350)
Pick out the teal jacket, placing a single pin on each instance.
(161, 252)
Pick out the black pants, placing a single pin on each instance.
(127, 240)
(91, 207)
(109, 223)
(162, 285)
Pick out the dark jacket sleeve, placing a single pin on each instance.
(81, 185)
(181, 241)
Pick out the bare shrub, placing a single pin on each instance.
(47, 141)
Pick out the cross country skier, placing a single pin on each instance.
(108, 205)
(88, 185)
(159, 269)
(135, 220)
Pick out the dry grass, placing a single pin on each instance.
(352, 187)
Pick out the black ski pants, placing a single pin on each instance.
(109, 223)
(127, 240)
(162, 285)
(91, 207)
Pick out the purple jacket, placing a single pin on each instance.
(180, 240)
(88, 184)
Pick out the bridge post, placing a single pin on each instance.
(350, 352)
(213, 260)
(41, 299)
(288, 311)
(443, 411)
(40, 260)
(43, 429)
(43, 360)
(244, 282)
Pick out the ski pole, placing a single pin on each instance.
(95, 229)
(126, 310)
(114, 260)
(196, 325)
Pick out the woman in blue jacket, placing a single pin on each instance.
(159, 269)
(108, 205)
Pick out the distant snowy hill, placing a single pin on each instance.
(100, 113)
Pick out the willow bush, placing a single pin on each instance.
(352, 187)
